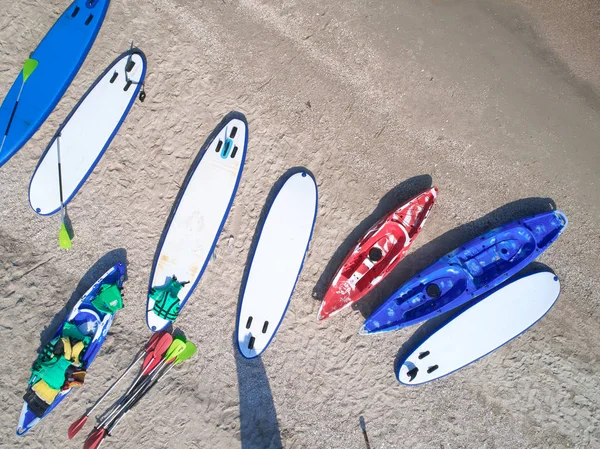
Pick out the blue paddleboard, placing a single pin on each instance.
(467, 272)
(59, 56)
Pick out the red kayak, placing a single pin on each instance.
(377, 253)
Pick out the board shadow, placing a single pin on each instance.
(93, 274)
(259, 428)
(397, 196)
(434, 324)
(442, 245)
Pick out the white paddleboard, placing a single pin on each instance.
(199, 212)
(482, 328)
(86, 133)
(276, 263)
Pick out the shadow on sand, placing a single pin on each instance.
(258, 418)
(93, 274)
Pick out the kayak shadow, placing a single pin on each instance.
(397, 196)
(259, 428)
(434, 324)
(442, 245)
(93, 274)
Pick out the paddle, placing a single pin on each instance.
(176, 354)
(189, 351)
(158, 343)
(64, 240)
(28, 68)
(175, 348)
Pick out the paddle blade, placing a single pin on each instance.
(77, 426)
(176, 348)
(156, 338)
(154, 357)
(189, 351)
(28, 68)
(94, 440)
(163, 345)
(63, 237)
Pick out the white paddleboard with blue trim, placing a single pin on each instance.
(199, 212)
(86, 133)
(276, 263)
(490, 322)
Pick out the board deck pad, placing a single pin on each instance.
(86, 133)
(467, 272)
(276, 263)
(199, 212)
(377, 253)
(83, 315)
(60, 54)
(490, 322)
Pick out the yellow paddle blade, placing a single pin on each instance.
(176, 348)
(190, 350)
(28, 68)
(63, 237)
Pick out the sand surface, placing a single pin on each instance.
(496, 103)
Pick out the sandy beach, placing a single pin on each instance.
(495, 103)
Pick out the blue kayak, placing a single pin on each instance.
(467, 272)
(91, 323)
(59, 56)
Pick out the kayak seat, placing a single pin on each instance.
(443, 287)
(390, 245)
(497, 255)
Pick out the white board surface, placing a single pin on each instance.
(200, 216)
(482, 328)
(276, 263)
(85, 136)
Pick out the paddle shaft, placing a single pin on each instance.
(133, 403)
(12, 115)
(60, 189)
(131, 393)
(140, 357)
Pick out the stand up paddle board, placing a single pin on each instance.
(59, 56)
(86, 133)
(88, 321)
(467, 272)
(276, 263)
(488, 323)
(197, 218)
(377, 254)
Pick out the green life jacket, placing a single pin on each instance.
(109, 299)
(53, 371)
(51, 365)
(73, 332)
(166, 302)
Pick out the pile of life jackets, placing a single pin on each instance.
(58, 367)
